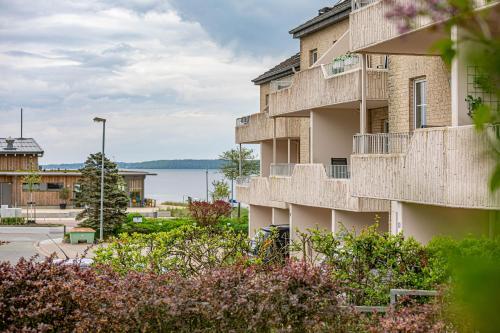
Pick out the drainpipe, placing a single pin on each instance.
(274, 140)
(289, 151)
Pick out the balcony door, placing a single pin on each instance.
(419, 103)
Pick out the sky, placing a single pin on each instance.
(170, 76)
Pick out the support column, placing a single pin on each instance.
(289, 152)
(362, 107)
(396, 220)
(274, 140)
(458, 81)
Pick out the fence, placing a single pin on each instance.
(338, 171)
(382, 143)
(344, 64)
(282, 169)
(243, 180)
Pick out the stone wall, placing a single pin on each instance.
(403, 70)
(377, 119)
(321, 40)
(304, 141)
(264, 90)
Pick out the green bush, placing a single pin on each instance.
(187, 250)
(12, 220)
(152, 225)
(369, 264)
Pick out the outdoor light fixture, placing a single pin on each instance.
(101, 217)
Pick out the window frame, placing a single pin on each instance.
(313, 54)
(422, 82)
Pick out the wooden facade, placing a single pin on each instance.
(18, 162)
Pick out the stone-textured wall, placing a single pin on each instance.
(264, 90)
(402, 71)
(321, 40)
(377, 119)
(304, 141)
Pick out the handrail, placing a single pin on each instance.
(381, 143)
(282, 169)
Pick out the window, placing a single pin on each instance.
(267, 99)
(313, 56)
(419, 102)
(44, 187)
(52, 187)
(35, 187)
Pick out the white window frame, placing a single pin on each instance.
(423, 105)
(313, 57)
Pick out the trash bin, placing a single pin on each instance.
(82, 235)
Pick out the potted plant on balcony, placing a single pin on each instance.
(64, 195)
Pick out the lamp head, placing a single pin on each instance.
(99, 120)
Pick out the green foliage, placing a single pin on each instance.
(187, 250)
(208, 214)
(221, 190)
(115, 198)
(369, 263)
(32, 180)
(12, 220)
(230, 169)
(65, 194)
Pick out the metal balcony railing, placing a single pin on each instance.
(282, 169)
(341, 65)
(382, 143)
(243, 180)
(356, 4)
(338, 171)
(280, 84)
(243, 121)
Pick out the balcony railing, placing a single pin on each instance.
(382, 143)
(338, 171)
(282, 169)
(344, 64)
(280, 84)
(243, 121)
(356, 4)
(243, 180)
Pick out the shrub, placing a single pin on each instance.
(209, 214)
(369, 264)
(45, 297)
(187, 250)
(12, 220)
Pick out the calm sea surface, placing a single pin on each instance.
(176, 185)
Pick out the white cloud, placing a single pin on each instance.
(168, 90)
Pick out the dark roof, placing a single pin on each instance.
(326, 17)
(19, 146)
(283, 69)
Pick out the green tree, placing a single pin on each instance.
(481, 46)
(231, 167)
(32, 181)
(221, 190)
(115, 197)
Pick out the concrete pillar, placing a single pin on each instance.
(362, 108)
(396, 218)
(289, 151)
(280, 216)
(274, 140)
(258, 217)
(459, 106)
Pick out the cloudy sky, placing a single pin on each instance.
(170, 76)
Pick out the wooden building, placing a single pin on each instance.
(18, 156)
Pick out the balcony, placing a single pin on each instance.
(446, 166)
(259, 127)
(309, 185)
(336, 85)
(255, 191)
(372, 32)
(282, 169)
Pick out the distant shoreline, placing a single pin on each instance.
(157, 165)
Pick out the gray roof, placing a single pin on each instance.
(332, 15)
(20, 146)
(285, 68)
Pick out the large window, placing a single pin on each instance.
(44, 187)
(420, 102)
(313, 57)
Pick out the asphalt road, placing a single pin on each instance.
(22, 241)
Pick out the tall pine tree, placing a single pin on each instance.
(115, 197)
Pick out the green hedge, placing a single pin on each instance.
(12, 220)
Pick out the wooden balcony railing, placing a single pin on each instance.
(258, 127)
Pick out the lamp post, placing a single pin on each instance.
(101, 217)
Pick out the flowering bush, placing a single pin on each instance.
(208, 214)
(44, 297)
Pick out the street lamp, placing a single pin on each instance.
(101, 218)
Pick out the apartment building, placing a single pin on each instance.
(384, 133)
